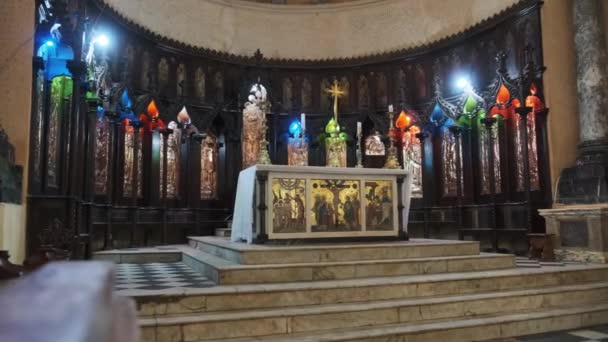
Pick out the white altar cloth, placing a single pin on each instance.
(246, 217)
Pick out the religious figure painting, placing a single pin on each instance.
(209, 158)
(287, 94)
(102, 150)
(363, 92)
(324, 97)
(336, 205)
(60, 103)
(448, 166)
(306, 94)
(532, 154)
(381, 90)
(129, 160)
(145, 70)
(199, 84)
(37, 125)
(181, 80)
(218, 82)
(343, 99)
(420, 77)
(484, 153)
(172, 157)
(379, 205)
(163, 73)
(288, 205)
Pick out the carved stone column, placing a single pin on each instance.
(586, 182)
(578, 232)
(592, 75)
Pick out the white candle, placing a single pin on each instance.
(390, 108)
(359, 128)
(303, 121)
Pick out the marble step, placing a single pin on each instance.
(282, 295)
(223, 232)
(208, 326)
(225, 273)
(162, 254)
(461, 330)
(251, 254)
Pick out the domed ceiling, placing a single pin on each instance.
(300, 2)
(338, 30)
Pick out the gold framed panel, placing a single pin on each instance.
(341, 229)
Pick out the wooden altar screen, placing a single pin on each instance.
(278, 202)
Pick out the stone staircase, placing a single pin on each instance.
(224, 232)
(420, 290)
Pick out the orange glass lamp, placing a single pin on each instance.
(403, 124)
(403, 121)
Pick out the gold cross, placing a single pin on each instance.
(336, 92)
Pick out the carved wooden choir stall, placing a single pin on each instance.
(141, 141)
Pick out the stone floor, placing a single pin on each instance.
(593, 334)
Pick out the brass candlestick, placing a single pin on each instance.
(391, 160)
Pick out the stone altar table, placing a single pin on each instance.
(279, 202)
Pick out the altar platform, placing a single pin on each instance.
(278, 202)
(416, 290)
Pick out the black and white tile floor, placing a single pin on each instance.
(164, 276)
(158, 276)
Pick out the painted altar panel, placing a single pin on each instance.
(341, 203)
(289, 205)
(379, 205)
(336, 205)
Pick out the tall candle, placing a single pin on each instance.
(303, 121)
(390, 108)
(359, 128)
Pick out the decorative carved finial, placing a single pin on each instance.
(181, 85)
(529, 67)
(437, 84)
(124, 72)
(501, 59)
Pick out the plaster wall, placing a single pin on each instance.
(350, 29)
(16, 40)
(560, 85)
(12, 231)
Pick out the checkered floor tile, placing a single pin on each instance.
(598, 333)
(158, 276)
